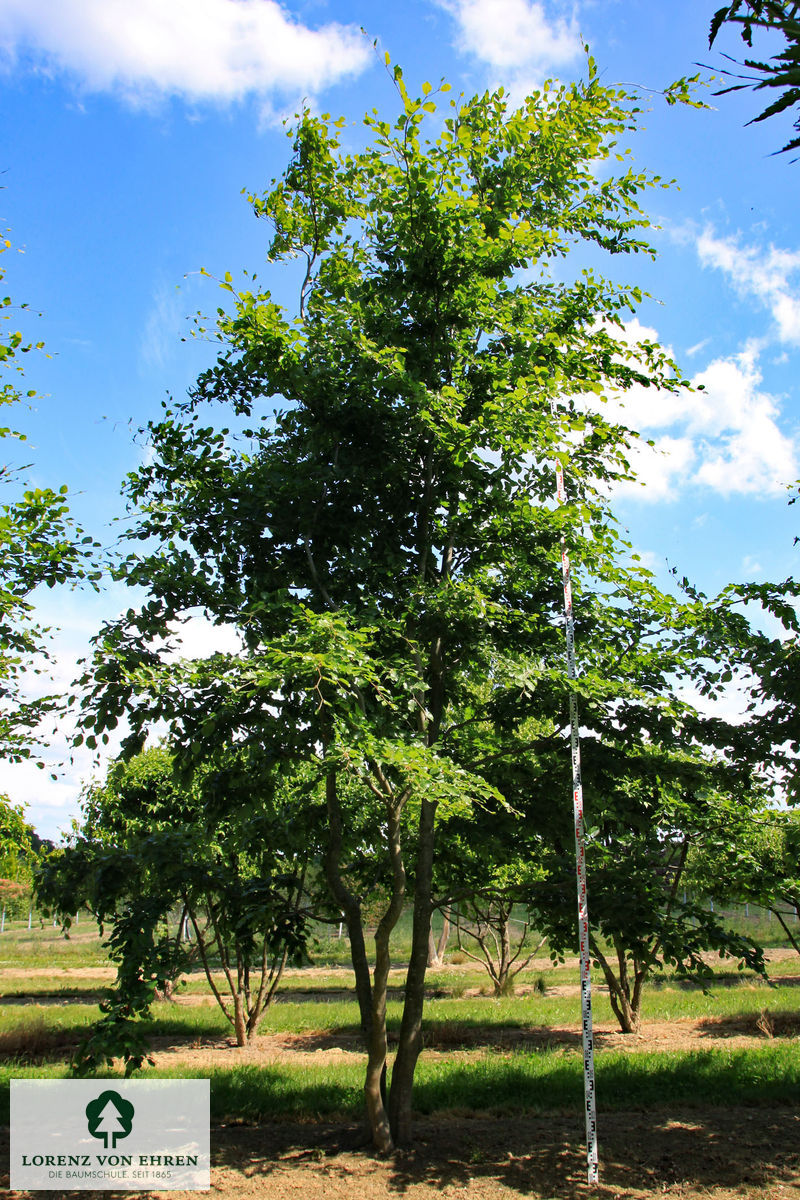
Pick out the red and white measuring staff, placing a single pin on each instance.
(580, 860)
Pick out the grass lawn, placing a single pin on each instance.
(475, 1065)
(517, 1059)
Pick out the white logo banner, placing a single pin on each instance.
(121, 1134)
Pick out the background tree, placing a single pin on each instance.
(782, 70)
(221, 853)
(490, 861)
(19, 853)
(39, 546)
(759, 863)
(763, 667)
(661, 778)
(642, 919)
(387, 537)
(16, 838)
(488, 934)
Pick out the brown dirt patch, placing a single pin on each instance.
(718, 1154)
(446, 1039)
(453, 1039)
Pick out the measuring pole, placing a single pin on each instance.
(580, 862)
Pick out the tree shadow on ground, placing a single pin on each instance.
(690, 1151)
(35, 1044)
(765, 1024)
(687, 1152)
(56, 996)
(324, 995)
(453, 1035)
(720, 979)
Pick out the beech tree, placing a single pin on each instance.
(662, 780)
(637, 853)
(16, 838)
(363, 487)
(19, 853)
(767, 666)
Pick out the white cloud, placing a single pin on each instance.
(167, 321)
(52, 803)
(514, 35)
(659, 468)
(743, 448)
(730, 705)
(765, 275)
(197, 637)
(644, 408)
(726, 435)
(200, 50)
(645, 558)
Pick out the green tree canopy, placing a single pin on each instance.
(758, 863)
(363, 486)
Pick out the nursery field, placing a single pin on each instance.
(704, 1101)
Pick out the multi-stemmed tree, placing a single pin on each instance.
(363, 487)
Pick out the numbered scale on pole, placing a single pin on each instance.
(580, 862)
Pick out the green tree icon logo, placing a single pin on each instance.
(110, 1117)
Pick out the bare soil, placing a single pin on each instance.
(716, 1154)
(456, 1041)
(722, 1154)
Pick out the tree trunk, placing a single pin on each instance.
(411, 1026)
(628, 1012)
(436, 948)
(239, 1020)
(268, 985)
(375, 1083)
(786, 929)
(505, 980)
(349, 904)
(444, 936)
(433, 954)
(627, 1016)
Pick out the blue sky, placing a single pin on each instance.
(131, 130)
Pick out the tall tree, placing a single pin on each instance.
(387, 536)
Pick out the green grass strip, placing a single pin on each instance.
(500, 1083)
